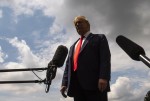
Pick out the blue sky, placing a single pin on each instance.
(31, 30)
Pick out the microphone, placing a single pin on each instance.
(134, 51)
(147, 97)
(59, 56)
(57, 61)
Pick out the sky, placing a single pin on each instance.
(31, 31)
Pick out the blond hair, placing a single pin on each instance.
(80, 17)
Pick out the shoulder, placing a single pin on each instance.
(99, 36)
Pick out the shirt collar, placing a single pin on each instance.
(87, 33)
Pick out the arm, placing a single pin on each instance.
(104, 73)
(65, 80)
(105, 56)
(65, 76)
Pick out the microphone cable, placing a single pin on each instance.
(37, 75)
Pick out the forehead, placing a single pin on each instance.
(79, 19)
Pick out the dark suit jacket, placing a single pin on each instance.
(93, 63)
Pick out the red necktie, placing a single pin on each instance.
(76, 53)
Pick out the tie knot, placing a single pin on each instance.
(82, 37)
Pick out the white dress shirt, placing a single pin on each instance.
(85, 36)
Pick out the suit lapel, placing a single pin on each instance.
(83, 46)
(86, 41)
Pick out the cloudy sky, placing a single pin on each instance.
(31, 30)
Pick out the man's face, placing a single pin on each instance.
(82, 26)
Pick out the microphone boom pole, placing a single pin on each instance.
(57, 61)
(23, 69)
(22, 81)
(145, 60)
(25, 81)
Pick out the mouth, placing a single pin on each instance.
(79, 29)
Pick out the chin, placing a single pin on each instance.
(80, 33)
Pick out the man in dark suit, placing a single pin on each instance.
(87, 71)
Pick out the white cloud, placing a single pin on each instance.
(1, 13)
(113, 18)
(56, 28)
(121, 88)
(124, 89)
(143, 12)
(27, 58)
(2, 55)
(28, 6)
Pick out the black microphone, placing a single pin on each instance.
(57, 61)
(147, 97)
(134, 51)
(59, 56)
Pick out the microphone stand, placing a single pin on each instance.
(50, 74)
(145, 60)
(23, 69)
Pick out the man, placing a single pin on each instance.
(87, 71)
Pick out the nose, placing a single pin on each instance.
(78, 25)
